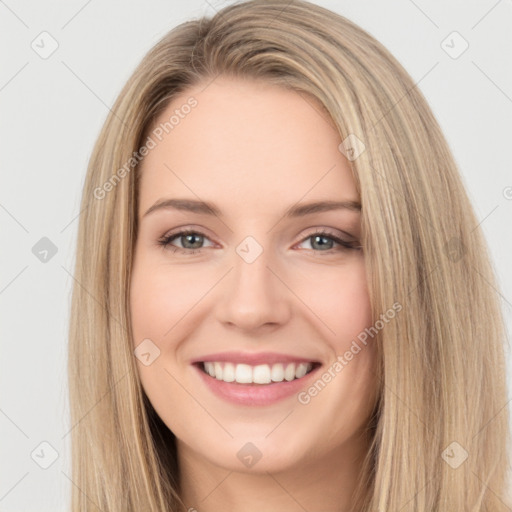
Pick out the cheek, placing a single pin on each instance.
(339, 300)
(160, 297)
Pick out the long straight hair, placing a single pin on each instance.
(440, 433)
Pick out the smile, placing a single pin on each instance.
(261, 379)
(258, 374)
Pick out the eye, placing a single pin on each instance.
(325, 241)
(191, 241)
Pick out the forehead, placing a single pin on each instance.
(245, 144)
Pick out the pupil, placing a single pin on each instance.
(191, 237)
(316, 238)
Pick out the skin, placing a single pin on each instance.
(254, 149)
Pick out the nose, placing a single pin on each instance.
(253, 296)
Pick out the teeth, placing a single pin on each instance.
(301, 370)
(229, 372)
(277, 372)
(210, 369)
(289, 373)
(260, 374)
(243, 373)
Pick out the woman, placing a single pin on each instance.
(284, 300)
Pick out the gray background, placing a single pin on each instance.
(52, 111)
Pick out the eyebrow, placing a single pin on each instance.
(206, 208)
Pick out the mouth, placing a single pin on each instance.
(260, 375)
(255, 379)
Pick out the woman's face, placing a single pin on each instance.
(253, 288)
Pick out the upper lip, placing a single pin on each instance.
(252, 358)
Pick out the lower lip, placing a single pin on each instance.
(255, 394)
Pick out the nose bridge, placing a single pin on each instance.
(251, 267)
(253, 295)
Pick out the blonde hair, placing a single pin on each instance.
(441, 361)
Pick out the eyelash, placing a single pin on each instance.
(165, 242)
